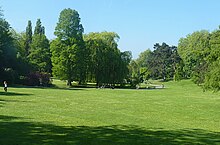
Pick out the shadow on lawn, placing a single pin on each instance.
(51, 87)
(14, 132)
(3, 101)
(13, 94)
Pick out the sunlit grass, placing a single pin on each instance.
(181, 105)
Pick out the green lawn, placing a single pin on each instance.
(179, 114)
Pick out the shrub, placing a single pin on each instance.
(36, 79)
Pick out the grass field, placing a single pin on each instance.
(179, 114)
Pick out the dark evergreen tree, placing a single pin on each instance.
(39, 29)
(7, 51)
(39, 55)
(162, 61)
(28, 40)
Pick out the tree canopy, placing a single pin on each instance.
(68, 51)
(108, 65)
(200, 53)
(29, 57)
(7, 50)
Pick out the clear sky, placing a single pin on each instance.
(139, 23)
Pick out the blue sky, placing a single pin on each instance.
(139, 23)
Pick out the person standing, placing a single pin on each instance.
(5, 86)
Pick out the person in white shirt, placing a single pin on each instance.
(5, 86)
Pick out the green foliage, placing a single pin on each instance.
(97, 58)
(163, 61)
(7, 49)
(22, 66)
(139, 70)
(108, 65)
(125, 60)
(28, 37)
(200, 52)
(214, 53)
(143, 57)
(179, 72)
(194, 50)
(40, 55)
(135, 77)
(212, 79)
(63, 60)
(69, 55)
(69, 25)
(39, 29)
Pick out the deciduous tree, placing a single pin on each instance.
(70, 49)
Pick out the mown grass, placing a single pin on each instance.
(179, 114)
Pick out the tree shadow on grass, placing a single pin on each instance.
(13, 94)
(68, 88)
(2, 102)
(8, 94)
(12, 131)
(51, 87)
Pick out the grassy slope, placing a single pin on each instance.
(181, 113)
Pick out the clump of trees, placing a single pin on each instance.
(162, 63)
(94, 57)
(107, 64)
(197, 57)
(71, 56)
(200, 52)
(25, 57)
(33, 56)
(30, 58)
(7, 51)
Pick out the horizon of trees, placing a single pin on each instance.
(29, 58)
(197, 57)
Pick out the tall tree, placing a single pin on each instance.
(108, 65)
(39, 29)
(28, 40)
(69, 55)
(212, 76)
(123, 73)
(22, 63)
(194, 50)
(68, 26)
(7, 49)
(162, 61)
(141, 61)
(142, 58)
(1, 14)
(39, 55)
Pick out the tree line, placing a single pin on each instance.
(197, 57)
(29, 58)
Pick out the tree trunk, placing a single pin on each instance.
(69, 83)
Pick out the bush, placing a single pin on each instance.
(45, 79)
(36, 79)
(134, 82)
(33, 79)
